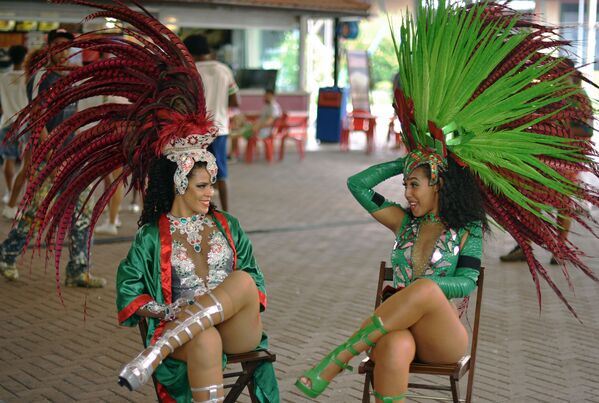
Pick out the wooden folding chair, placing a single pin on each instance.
(454, 371)
(243, 378)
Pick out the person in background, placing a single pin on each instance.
(580, 130)
(270, 112)
(13, 98)
(78, 266)
(262, 128)
(221, 93)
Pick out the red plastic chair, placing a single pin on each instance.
(294, 127)
(268, 142)
(359, 120)
(392, 132)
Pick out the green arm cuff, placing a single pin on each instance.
(360, 185)
(458, 286)
(463, 282)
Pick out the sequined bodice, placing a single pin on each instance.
(184, 276)
(443, 259)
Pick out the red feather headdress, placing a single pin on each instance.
(165, 113)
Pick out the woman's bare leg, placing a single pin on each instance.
(422, 303)
(115, 201)
(243, 332)
(203, 355)
(20, 179)
(393, 354)
(235, 295)
(9, 173)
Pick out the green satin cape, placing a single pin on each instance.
(145, 275)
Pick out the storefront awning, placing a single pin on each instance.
(338, 8)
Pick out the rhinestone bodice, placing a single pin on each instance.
(219, 259)
(443, 259)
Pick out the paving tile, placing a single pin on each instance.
(320, 254)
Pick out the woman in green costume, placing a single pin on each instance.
(486, 107)
(187, 254)
(436, 257)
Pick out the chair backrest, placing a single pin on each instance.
(386, 274)
(279, 125)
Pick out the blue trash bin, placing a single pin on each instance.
(332, 102)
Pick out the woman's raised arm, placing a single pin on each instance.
(361, 186)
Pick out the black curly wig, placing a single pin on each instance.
(160, 192)
(460, 201)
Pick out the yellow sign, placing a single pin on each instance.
(26, 26)
(46, 26)
(7, 25)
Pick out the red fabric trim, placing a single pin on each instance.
(163, 393)
(157, 332)
(133, 306)
(262, 298)
(166, 248)
(223, 221)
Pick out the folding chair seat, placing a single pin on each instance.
(453, 371)
(242, 378)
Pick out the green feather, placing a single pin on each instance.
(444, 56)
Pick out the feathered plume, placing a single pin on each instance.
(496, 76)
(148, 66)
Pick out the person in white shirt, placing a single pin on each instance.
(13, 97)
(221, 92)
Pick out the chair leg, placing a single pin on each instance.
(244, 379)
(344, 139)
(249, 150)
(252, 391)
(455, 389)
(370, 138)
(282, 148)
(366, 393)
(300, 148)
(269, 149)
(470, 385)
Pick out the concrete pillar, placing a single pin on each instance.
(253, 46)
(591, 41)
(303, 54)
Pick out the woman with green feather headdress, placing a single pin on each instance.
(488, 111)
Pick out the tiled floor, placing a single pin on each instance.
(320, 253)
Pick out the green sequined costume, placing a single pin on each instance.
(455, 269)
(145, 275)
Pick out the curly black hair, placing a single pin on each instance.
(460, 200)
(160, 192)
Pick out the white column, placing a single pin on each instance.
(303, 53)
(580, 35)
(591, 36)
(253, 45)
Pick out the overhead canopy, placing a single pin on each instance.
(226, 14)
(330, 7)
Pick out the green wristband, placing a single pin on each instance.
(361, 184)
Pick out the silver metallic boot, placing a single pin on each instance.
(140, 369)
(213, 391)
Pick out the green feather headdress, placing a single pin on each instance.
(484, 86)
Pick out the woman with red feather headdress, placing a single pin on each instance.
(190, 270)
